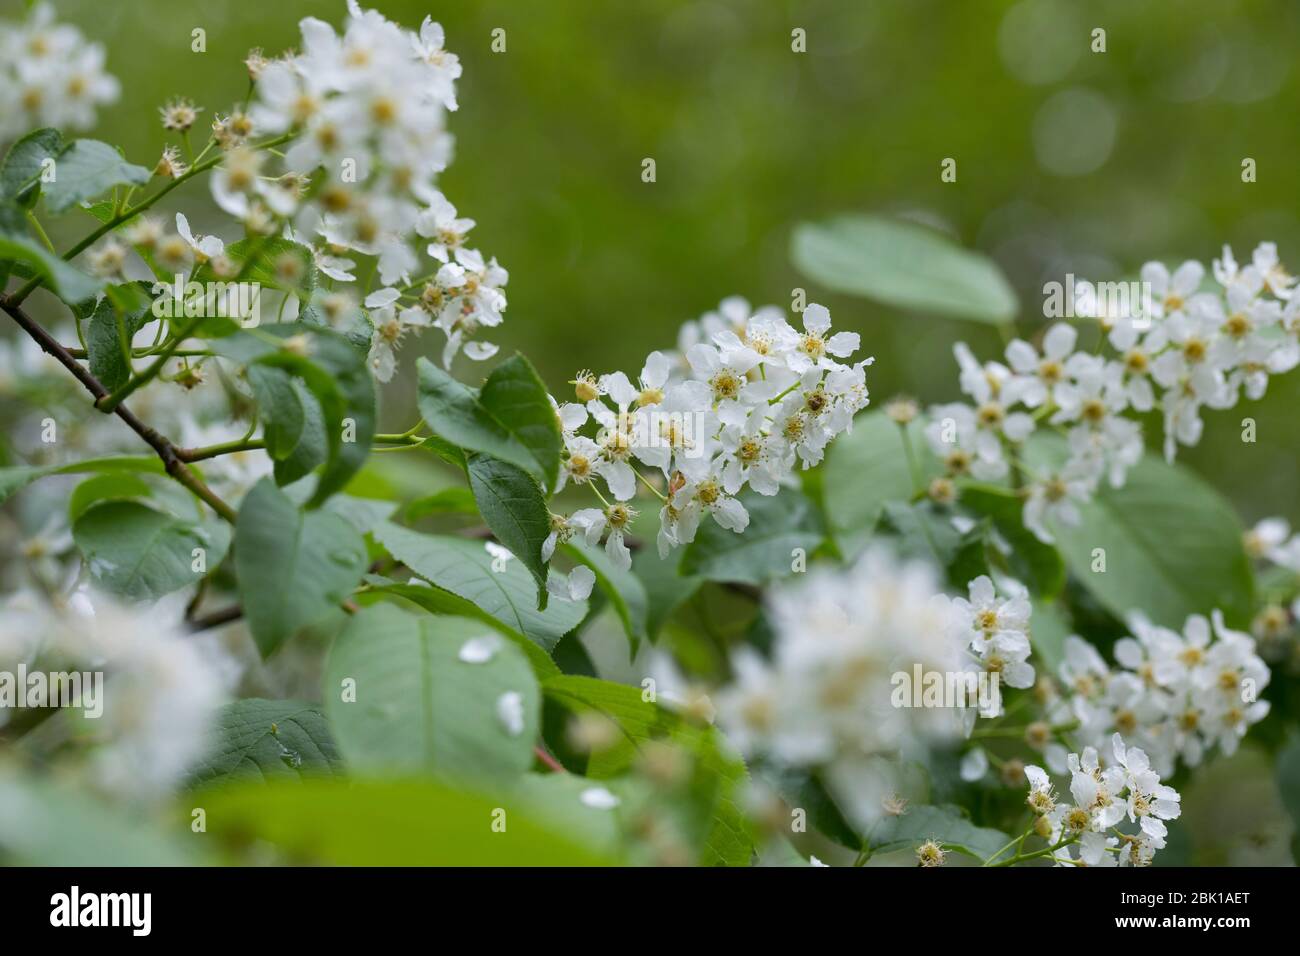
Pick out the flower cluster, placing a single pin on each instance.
(50, 76)
(996, 631)
(161, 689)
(365, 113)
(1271, 541)
(1190, 350)
(1103, 796)
(1178, 695)
(755, 400)
(868, 662)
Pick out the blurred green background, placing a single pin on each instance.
(1068, 160)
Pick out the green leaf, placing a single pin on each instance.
(1048, 630)
(1288, 785)
(389, 823)
(337, 376)
(87, 168)
(453, 455)
(903, 264)
(424, 702)
(513, 508)
(312, 447)
(464, 568)
(364, 514)
(945, 825)
(23, 164)
(48, 824)
(267, 739)
(926, 532)
(143, 554)
(664, 587)
(68, 283)
(277, 264)
(510, 418)
(778, 524)
(293, 566)
(455, 500)
(623, 588)
(280, 409)
(437, 601)
(556, 799)
(1172, 543)
(800, 788)
(729, 840)
(20, 476)
(866, 468)
(1039, 565)
(108, 341)
(112, 486)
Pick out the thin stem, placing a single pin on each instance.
(404, 439)
(110, 402)
(216, 618)
(653, 490)
(1022, 857)
(216, 451)
(40, 231)
(146, 352)
(1010, 843)
(544, 757)
(776, 398)
(913, 467)
(127, 215)
(165, 450)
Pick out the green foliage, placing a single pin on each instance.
(728, 841)
(336, 375)
(282, 402)
(866, 468)
(665, 587)
(407, 823)
(926, 533)
(1158, 558)
(623, 589)
(425, 701)
(1288, 783)
(945, 825)
(435, 600)
(464, 569)
(510, 417)
(108, 340)
(18, 477)
(20, 173)
(268, 740)
(86, 169)
(1047, 633)
(45, 824)
(903, 264)
(272, 263)
(513, 508)
(144, 554)
(111, 486)
(1034, 562)
(68, 283)
(778, 525)
(293, 566)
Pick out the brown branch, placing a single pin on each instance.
(215, 618)
(165, 450)
(544, 756)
